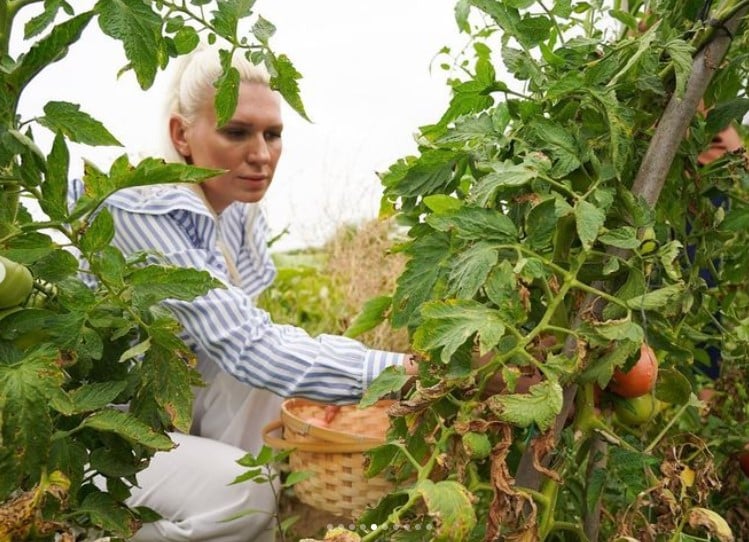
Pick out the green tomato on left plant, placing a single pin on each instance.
(16, 283)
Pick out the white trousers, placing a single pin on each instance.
(189, 486)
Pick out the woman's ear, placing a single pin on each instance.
(177, 133)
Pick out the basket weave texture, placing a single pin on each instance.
(333, 454)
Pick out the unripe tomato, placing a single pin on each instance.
(744, 462)
(477, 445)
(640, 379)
(636, 410)
(16, 283)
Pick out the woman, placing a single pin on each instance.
(248, 362)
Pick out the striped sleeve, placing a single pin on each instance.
(225, 326)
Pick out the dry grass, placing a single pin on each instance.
(360, 262)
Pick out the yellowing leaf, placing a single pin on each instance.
(451, 506)
(712, 522)
(540, 406)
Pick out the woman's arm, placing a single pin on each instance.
(225, 327)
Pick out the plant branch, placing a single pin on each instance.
(679, 113)
(597, 459)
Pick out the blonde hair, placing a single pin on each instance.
(193, 82)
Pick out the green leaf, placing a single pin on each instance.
(441, 203)
(469, 97)
(471, 223)
(722, 114)
(390, 380)
(55, 266)
(227, 15)
(138, 27)
(502, 289)
(295, 477)
(620, 330)
(109, 264)
(423, 270)
(629, 20)
(166, 376)
(373, 313)
(37, 24)
(505, 175)
(78, 126)
(534, 29)
(285, 79)
(227, 92)
(263, 30)
(470, 269)
(624, 237)
(97, 395)
(55, 186)
(135, 350)
(449, 324)
(656, 299)
(540, 406)
(50, 49)
(430, 173)
(462, 11)
(681, 53)
(155, 283)
(148, 172)
(541, 224)
(186, 40)
(450, 504)
(99, 233)
(117, 461)
(128, 427)
(24, 411)
(669, 255)
(589, 219)
(672, 387)
(602, 369)
(108, 514)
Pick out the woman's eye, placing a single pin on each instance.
(272, 135)
(234, 133)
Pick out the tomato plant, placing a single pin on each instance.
(640, 378)
(561, 194)
(72, 349)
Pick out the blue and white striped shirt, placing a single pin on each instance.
(224, 327)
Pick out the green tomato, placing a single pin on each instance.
(636, 410)
(16, 283)
(477, 445)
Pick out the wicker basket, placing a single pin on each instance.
(333, 454)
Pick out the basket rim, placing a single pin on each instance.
(305, 428)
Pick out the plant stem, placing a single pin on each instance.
(597, 460)
(663, 432)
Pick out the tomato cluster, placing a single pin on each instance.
(634, 403)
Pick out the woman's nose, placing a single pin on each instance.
(257, 149)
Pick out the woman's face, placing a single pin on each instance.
(248, 146)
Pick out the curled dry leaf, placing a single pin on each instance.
(712, 521)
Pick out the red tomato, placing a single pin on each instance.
(640, 379)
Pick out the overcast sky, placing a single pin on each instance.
(370, 80)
